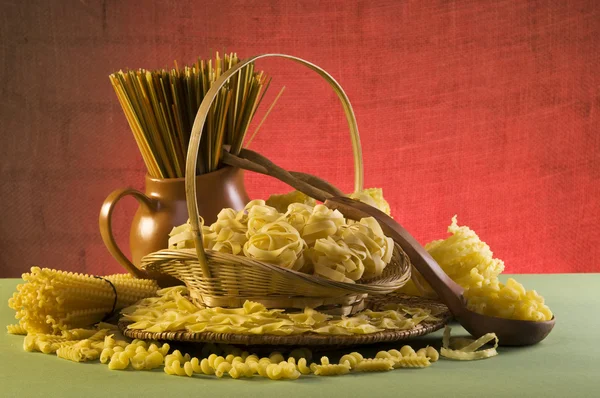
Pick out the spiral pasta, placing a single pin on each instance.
(330, 369)
(352, 359)
(374, 365)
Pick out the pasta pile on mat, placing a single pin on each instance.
(173, 311)
(470, 263)
(303, 236)
(51, 301)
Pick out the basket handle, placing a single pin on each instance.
(196, 135)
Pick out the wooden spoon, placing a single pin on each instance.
(509, 331)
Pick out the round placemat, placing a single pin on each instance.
(312, 339)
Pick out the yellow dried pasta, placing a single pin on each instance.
(470, 263)
(373, 197)
(366, 238)
(323, 222)
(510, 301)
(283, 202)
(374, 365)
(51, 301)
(172, 311)
(329, 369)
(16, 329)
(277, 243)
(468, 347)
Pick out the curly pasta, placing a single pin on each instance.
(226, 360)
(352, 359)
(413, 361)
(508, 301)
(470, 263)
(329, 369)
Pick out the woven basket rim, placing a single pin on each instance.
(155, 260)
(310, 339)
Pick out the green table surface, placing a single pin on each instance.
(566, 364)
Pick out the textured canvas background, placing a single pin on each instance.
(485, 109)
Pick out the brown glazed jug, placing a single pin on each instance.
(163, 206)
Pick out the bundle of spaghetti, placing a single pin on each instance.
(160, 107)
(51, 301)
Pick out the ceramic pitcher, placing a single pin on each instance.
(163, 206)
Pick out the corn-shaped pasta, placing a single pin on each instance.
(51, 301)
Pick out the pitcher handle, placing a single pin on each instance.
(105, 222)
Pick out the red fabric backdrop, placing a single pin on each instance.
(485, 109)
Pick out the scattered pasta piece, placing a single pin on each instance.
(468, 347)
(374, 365)
(413, 361)
(352, 359)
(329, 369)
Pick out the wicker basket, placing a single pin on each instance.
(226, 280)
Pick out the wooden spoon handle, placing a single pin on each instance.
(250, 160)
(448, 290)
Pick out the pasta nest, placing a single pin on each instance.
(306, 237)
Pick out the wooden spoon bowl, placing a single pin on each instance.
(509, 331)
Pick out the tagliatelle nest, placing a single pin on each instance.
(307, 237)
